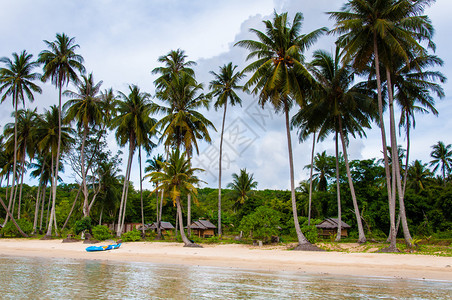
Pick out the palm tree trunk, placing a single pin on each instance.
(159, 223)
(12, 218)
(124, 189)
(11, 200)
(72, 209)
(22, 167)
(57, 161)
(188, 214)
(43, 197)
(141, 192)
(396, 164)
(54, 182)
(181, 223)
(338, 193)
(219, 170)
(407, 161)
(35, 220)
(82, 164)
(300, 236)
(361, 237)
(310, 179)
(392, 238)
(6, 197)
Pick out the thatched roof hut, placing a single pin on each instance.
(329, 227)
(163, 226)
(203, 228)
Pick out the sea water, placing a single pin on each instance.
(38, 278)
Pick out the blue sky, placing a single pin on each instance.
(121, 41)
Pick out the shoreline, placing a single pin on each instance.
(239, 256)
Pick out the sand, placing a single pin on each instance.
(245, 257)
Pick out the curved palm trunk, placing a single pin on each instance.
(362, 237)
(396, 164)
(338, 193)
(181, 223)
(125, 189)
(82, 164)
(72, 209)
(310, 179)
(300, 236)
(392, 239)
(219, 170)
(407, 161)
(38, 194)
(141, 193)
(8, 213)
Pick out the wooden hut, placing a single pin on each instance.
(329, 227)
(164, 226)
(203, 228)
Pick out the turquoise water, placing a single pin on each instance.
(37, 278)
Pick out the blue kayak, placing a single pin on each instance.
(102, 248)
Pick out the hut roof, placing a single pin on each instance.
(331, 223)
(163, 225)
(202, 224)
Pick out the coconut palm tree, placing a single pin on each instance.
(280, 77)
(25, 143)
(133, 124)
(85, 108)
(341, 108)
(174, 65)
(412, 91)
(442, 158)
(223, 88)
(155, 165)
(51, 138)
(418, 175)
(384, 30)
(16, 81)
(182, 124)
(177, 178)
(242, 186)
(60, 65)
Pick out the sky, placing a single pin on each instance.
(122, 40)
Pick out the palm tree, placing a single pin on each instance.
(384, 30)
(52, 138)
(223, 87)
(174, 66)
(242, 186)
(133, 124)
(177, 178)
(16, 81)
(183, 125)
(155, 165)
(442, 158)
(280, 78)
(85, 107)
(341, 108)
(322, 166)
(25, 143)
(418, 175)
(413, 85)
(61, 64)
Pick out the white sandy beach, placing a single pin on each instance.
(245, 257)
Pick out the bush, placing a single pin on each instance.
(82, 225)
(101, 232)
(131, 236)
(11, 230)
(311, 233)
